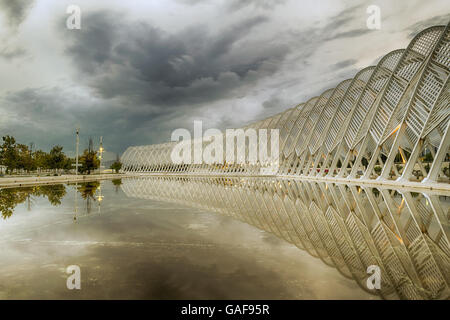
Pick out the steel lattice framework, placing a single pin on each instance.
(389, 123)
(348, 227)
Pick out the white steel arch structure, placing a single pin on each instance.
(390, 123)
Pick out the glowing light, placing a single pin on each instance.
(398, 237)
(395, 130)
(401, 154)
(400, 207)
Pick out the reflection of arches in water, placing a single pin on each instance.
(348, 227)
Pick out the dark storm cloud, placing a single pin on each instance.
(15, 10)
(344, 64)
(193, 2)
(338, 25)
(434, 21)
(32, 112)
(12, 53)
(350, 34)
(234, 5)
(273, 102)
(146, 65)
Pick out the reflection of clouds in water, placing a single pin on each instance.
(195, 274)
(269, 239)
(197, 226)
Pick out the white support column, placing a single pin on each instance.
(337, 156)
(439, 157)
(372, 163)
(392, 153)
(345, 163)
(359, 157)
(406, 175)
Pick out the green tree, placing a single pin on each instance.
(24, 158)
(89, 161)
(56, 158)
(116, 166)
(8, 154)
(40, 159)
(67, 165)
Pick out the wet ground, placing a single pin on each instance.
(130, 248)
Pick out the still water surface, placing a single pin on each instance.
(187, 239)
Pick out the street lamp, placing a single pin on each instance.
(100, 151)
(76, 154)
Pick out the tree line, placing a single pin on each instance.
(17, 157)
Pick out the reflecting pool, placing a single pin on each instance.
(223, 238)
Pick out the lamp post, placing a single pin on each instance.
(76, 155)
(100, 151)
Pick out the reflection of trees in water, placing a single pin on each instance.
(11, 197)
(87, 191)
(54, 193)
(117, 183)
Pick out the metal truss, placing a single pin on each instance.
(390, 123)
(348, 227)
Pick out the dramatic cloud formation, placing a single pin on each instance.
(15, 11)
(137, 71)
(145, 65)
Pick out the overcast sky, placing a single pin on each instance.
(137, 70)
